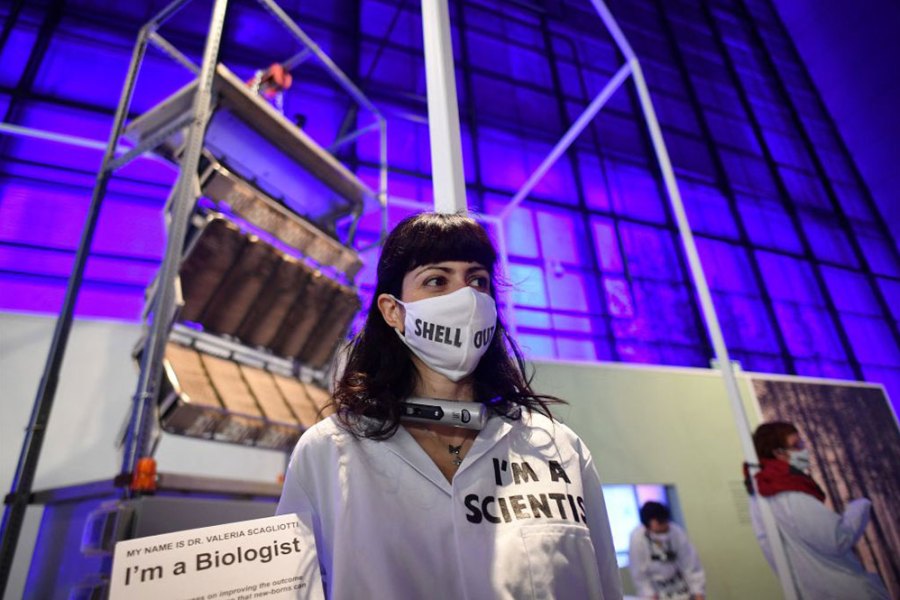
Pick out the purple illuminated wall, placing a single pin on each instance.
(803, 273)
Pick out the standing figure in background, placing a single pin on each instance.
(404, 509)
(662, 560)
(818, 542)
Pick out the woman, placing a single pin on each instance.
(403, 510)
(818, 542)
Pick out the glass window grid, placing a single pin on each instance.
(636, 348)
(843, 252)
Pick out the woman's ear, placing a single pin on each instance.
(392, 311)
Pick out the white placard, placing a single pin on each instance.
(272, 558)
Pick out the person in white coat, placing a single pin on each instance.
(406, 510)
(818, 542)
(662, 560)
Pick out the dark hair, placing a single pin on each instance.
(379, 374)
(769, 437)
(655, 510)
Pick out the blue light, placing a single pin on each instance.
(521, 234)
(536, 346)
(635, 192)
(15, 54)
(528, 286)
(593, 182)
(595, 264)
(575, 349)
(571, 291)
(606, 244)
(562, 237)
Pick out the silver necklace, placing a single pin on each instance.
(455, 450)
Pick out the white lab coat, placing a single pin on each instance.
(819, 546)
(523, 518)
(654, 575)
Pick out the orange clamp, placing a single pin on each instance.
(144, 477)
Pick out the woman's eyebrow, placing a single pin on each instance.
(468, 271)
(424, 268)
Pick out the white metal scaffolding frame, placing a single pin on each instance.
(445, 138)
(178, 209)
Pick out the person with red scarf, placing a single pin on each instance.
(818, 542)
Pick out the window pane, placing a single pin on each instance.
(650, 252)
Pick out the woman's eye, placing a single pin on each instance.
(434, 281)
(479, 282)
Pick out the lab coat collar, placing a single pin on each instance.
(494, 430)
(404, 445)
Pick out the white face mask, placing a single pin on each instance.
(799, 459)
(661, 538)
(450, 333)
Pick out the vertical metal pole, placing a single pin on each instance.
(443, 110)
(383, 176)
(714, 329)
(20, 491)
(184, 196)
